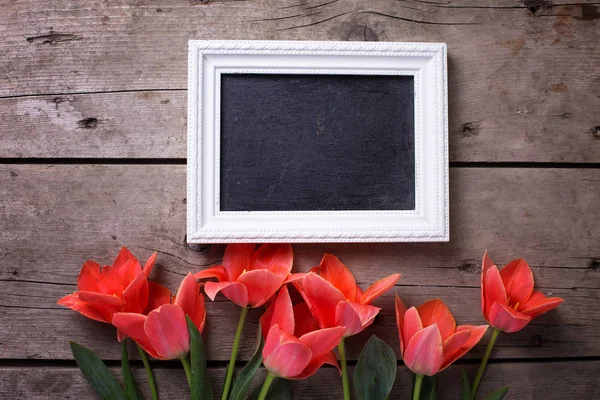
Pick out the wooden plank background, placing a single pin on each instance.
(92, 157)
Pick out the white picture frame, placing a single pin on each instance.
(426, 62)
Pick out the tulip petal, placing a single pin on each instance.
(132, 325)
(73, 302)
(135, 296)
(123, 257)
(234, 291)
(191, 301)
(100, 299)
(539, 304)
(436, 312)
(283, 312)
(494, 290)
(400, 311)
(335, 272)
(354, 316)
(412, 324)
(304, 320)
(157, 296)
(294, 277)
(218, 272)
(518, 281)
(167, 331)
(266, 319)
(424, 352)
(322, 298)
(130, 270)
(379, 288)
(274, 257)
(89, 277)
(486, 264)
(261, 285)
(149, 264)
(315, 364)
(322, 341)
(237, 259)
(111, 281)
(459, 344)
(506, 319)
(284, 355)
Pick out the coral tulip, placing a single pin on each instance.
(104, 291)
(294, 349)
(508, 300)
(430, 340)
(336, 300)
(247, 277)
(163, 333)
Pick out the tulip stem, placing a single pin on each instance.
(234, 350)
(186, 368)
(151, 381)
(265, 388)
(484, 361)
(345, 383)
(418, 384)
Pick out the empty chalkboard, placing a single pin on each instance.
(316, 142)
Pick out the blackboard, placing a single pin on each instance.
(316, 142)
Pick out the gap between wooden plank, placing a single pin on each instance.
(183, 161)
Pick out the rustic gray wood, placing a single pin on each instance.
(55, 217)
(107, 80)
(524, 75)
(528, 381)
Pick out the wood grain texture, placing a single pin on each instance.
(528, 381)
(55, 217)
(145, 124)
(524, 76)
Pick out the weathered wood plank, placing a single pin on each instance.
(528, 381)
(147, 124)
(55, 217)
(152, 124)
(522, 74)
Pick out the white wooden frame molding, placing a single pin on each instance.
(206, 223)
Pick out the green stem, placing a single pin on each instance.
(265, 388)
(148, 372)
(187, 369)
(234, 350)
(418, 384)
(345, 382)
(484, 361)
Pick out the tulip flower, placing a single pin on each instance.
(294, 347)
(104, 291)
(335, 299)
(509, 302)
(249, 278)
(430, 340)
(163, 333)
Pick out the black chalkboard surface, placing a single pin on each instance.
(317, 142)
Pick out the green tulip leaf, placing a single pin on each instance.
(466, 386)
(498, 394)
(375, 371)
(280, 390)
(244, 379)
(131, 388)
(96, 373)
(200, 387)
